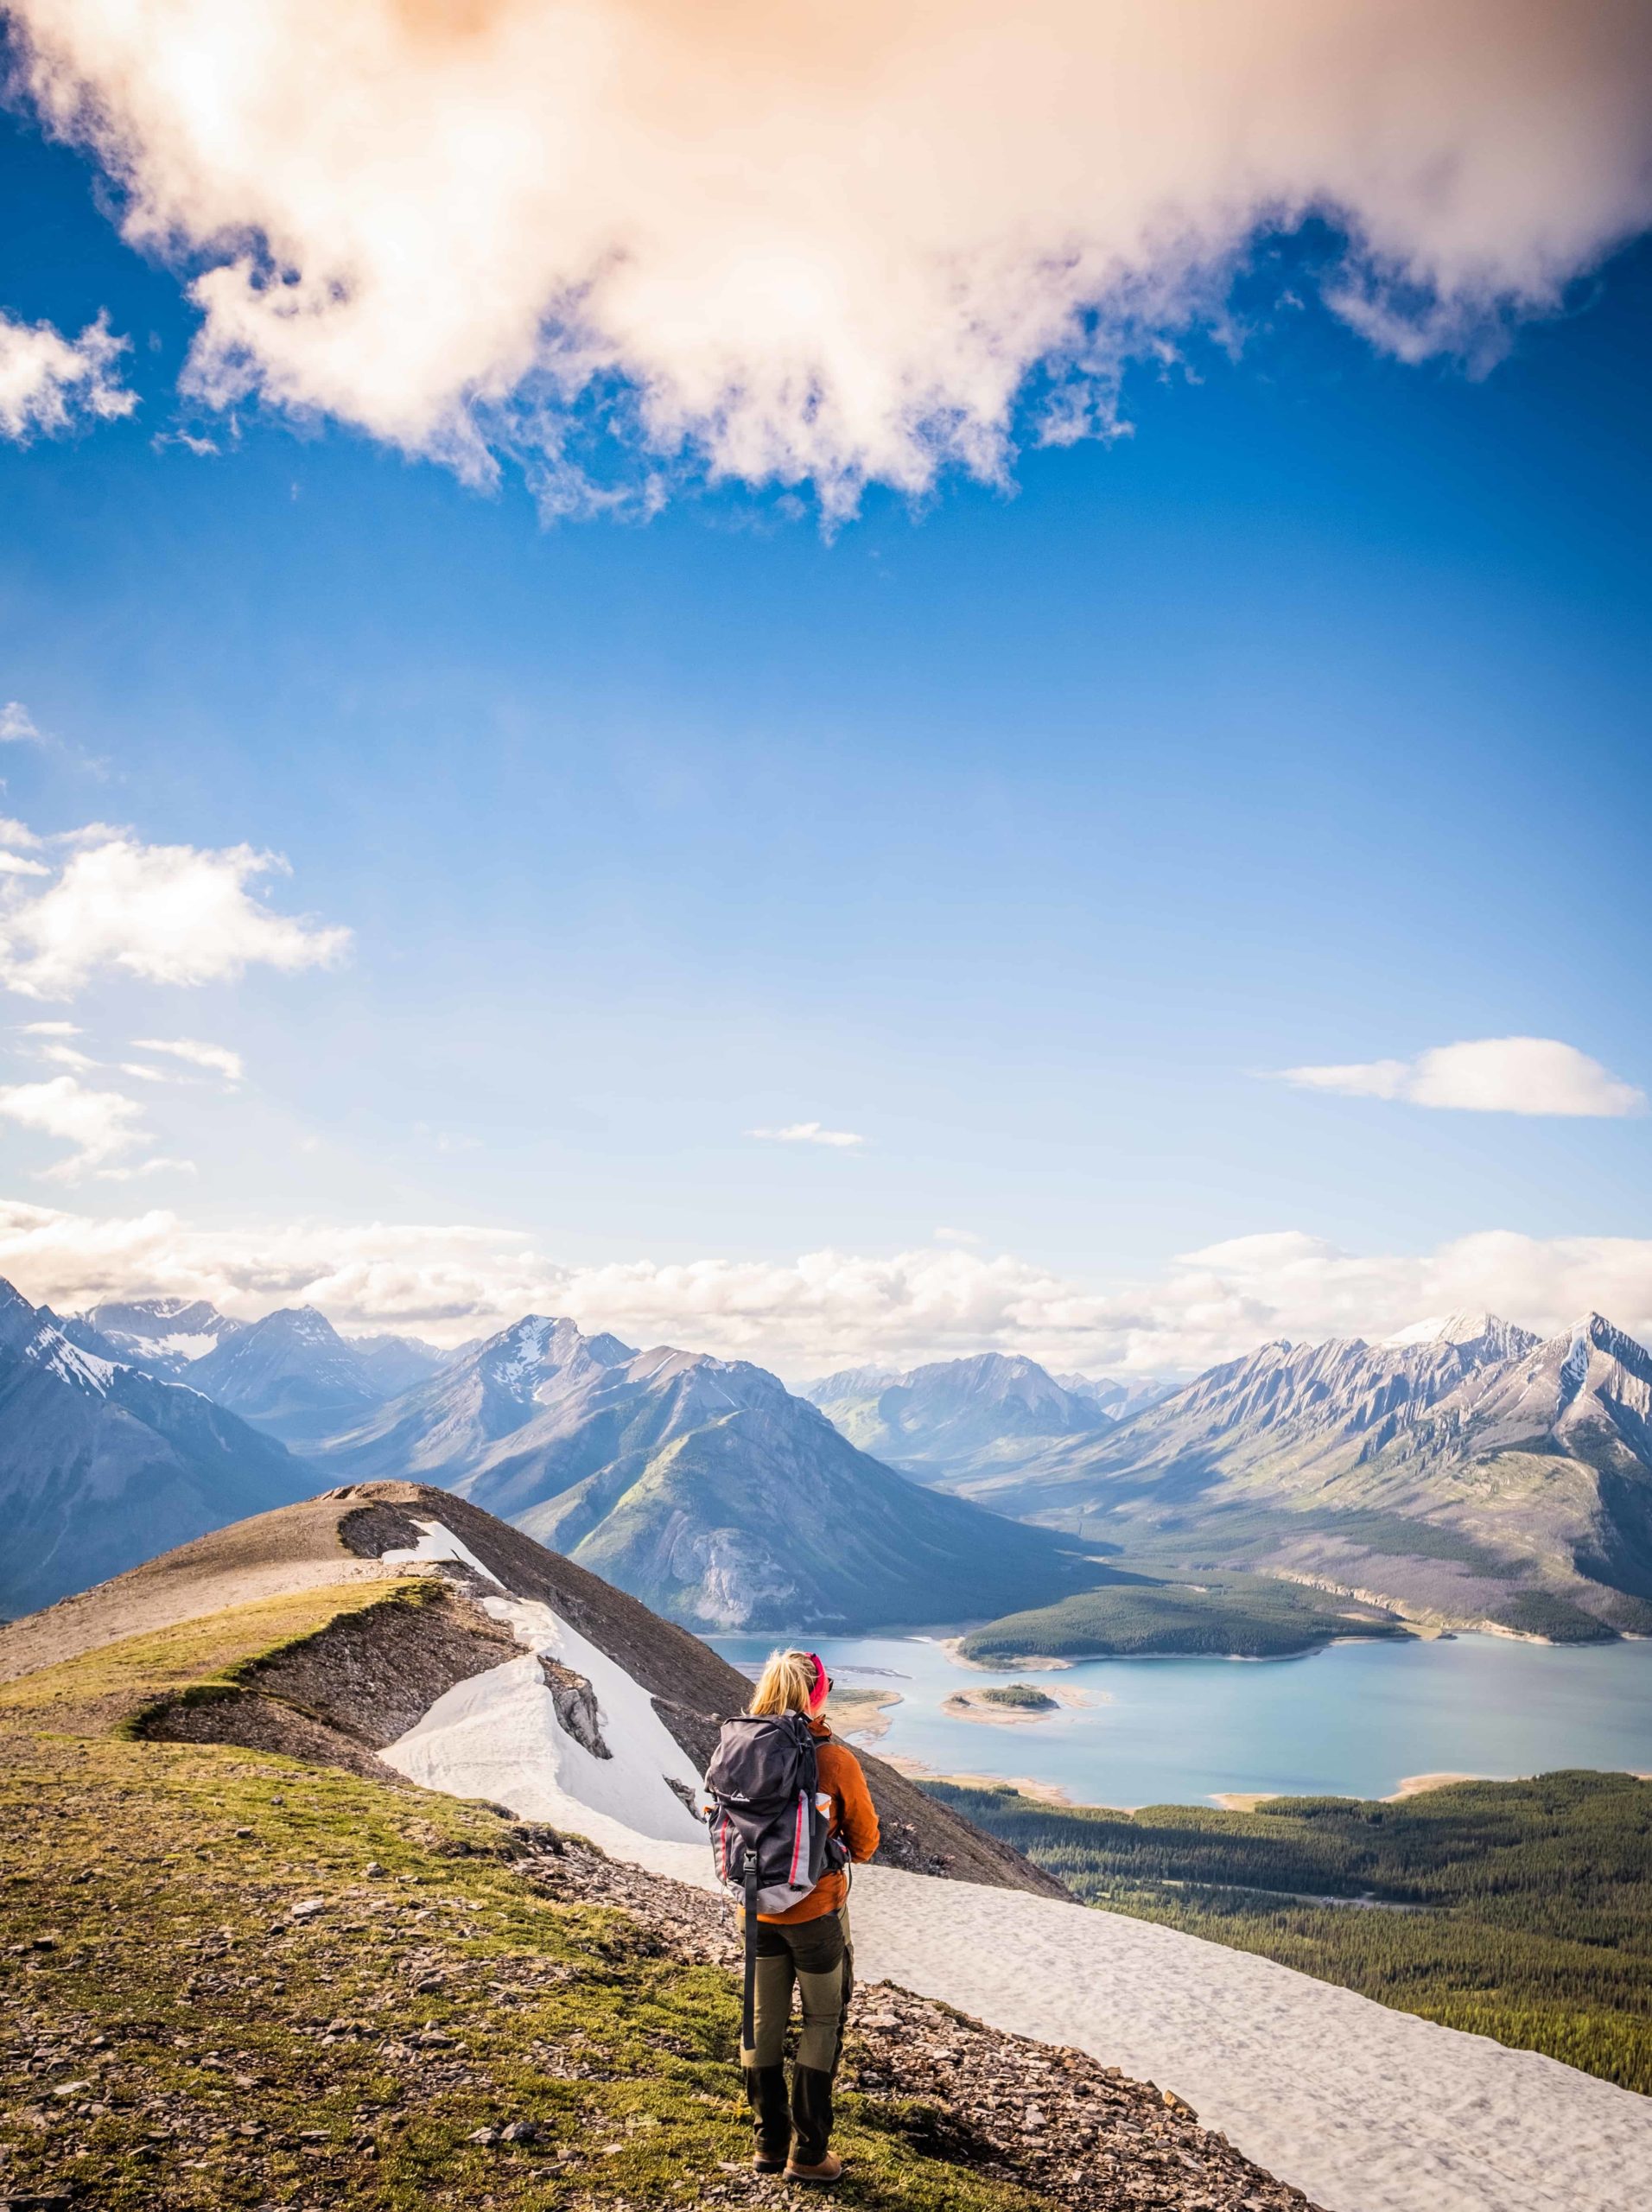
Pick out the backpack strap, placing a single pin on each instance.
(748, 2002)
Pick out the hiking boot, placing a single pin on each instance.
(768, 2161)
(830, 2170)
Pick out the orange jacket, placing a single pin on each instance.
(855, 1818)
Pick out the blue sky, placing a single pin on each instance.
(1024, 833)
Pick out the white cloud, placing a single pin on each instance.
(17, 725)
(1493, 1075)
(808, 1133)
(834, 243)
(66, 1056)
(830, 1309)
(180, 914)
(99, 1125)
(48, 1029)
(218, 1059)
(47, 382)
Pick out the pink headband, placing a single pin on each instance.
(817, 1695)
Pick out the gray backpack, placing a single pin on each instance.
(770, 1836)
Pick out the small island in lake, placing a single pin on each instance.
(1010, 1704)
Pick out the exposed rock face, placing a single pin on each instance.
(574, 1703)
(1462, 1470)
(164, 1336)
(701, 1485)
(341, 1696)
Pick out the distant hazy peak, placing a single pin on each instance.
(306, 1324)
(848, 1382)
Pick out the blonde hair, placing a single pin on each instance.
(785, 1685)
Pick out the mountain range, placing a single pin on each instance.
(1465, 1468)
(701, 1485)
(290, 1374)
(1462, 1471)
(102, 1464)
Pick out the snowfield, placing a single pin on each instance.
(1365, 2109)
(496, 1735)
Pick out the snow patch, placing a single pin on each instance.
(438, 1543)
(1365, 2109)
(179, 1346)
(530, 1338)
(68, 1362)
(497, 1736)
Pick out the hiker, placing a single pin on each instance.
(789, 1809)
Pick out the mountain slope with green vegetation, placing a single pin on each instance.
(1243, 1617)
(1517, 1909)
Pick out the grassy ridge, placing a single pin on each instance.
(1239, 1615)
(230, 1980)
(1518, 1909)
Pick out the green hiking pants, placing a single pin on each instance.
(818, 1958)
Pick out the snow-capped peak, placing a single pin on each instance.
(1506, 1339)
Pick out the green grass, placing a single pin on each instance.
(238, 2054)
(1530, 1904)
(191, 1662)
(1249, 1617)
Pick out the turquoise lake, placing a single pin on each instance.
(1353, 1720)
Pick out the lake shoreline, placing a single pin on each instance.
(1365, 1719)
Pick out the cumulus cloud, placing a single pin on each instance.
(1493, 1075)
(47, 383)
(808, 1133)
(828, 1308)
(831, 244)
(218, 1059)
(177, 914)
(98, 1126)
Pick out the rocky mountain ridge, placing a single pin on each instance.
(1466, 1469)
(290, 1373)
(702, 1486)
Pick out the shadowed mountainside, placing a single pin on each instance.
(702, 1486)
(103, 1465)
